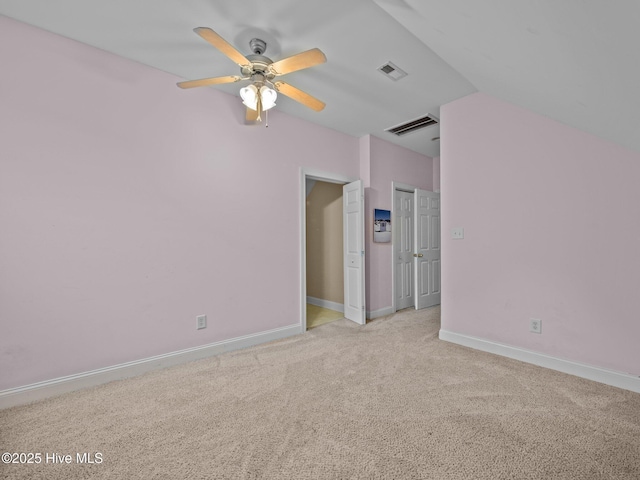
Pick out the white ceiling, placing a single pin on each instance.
(572, 60)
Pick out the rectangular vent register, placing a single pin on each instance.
(413, 125)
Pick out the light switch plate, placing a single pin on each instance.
(457, 232)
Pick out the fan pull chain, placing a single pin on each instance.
(259, 108)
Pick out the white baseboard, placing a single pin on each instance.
(608, 377)
(58, 386)
(383, 312)
(318, 302)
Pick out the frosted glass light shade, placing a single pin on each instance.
(249, 95)
(268, 96)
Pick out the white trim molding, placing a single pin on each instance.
(319, 302)
(70, 383)
(608, 377)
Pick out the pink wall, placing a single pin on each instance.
(551, 232)
(389, 163)
(129, 206)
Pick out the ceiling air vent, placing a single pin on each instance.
(392, 71)
(413, 125)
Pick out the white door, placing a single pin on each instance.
(427, 248)
(403, 248)
(353, 231)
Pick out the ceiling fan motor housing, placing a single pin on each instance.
(259, 65)
(258, 46)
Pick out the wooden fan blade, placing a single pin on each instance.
(298, 62)
(252, 115)
(221, 44)
(299, 96)
(209, 81)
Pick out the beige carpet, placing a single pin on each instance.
(317, 316)
(387, 400)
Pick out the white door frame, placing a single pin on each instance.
(404, 187)
(319, 175)
(402, 226)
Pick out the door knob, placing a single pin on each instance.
(418, 255)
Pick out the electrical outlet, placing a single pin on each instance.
(535, 325)
(201, 322)
(457, 233)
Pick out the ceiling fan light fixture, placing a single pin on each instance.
(249, 95)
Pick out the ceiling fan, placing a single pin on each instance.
(260, 95)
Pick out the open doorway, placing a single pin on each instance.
(348, 262)
(325, 266)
